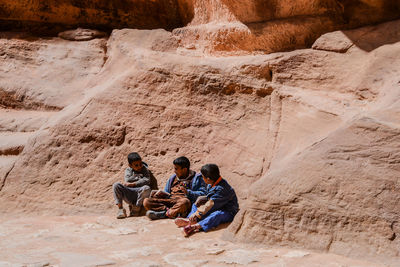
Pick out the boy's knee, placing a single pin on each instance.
(186, 202)
(117, 186)
(146, 203)
(146, 191)
(146, 188)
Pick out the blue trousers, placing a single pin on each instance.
(212, 219)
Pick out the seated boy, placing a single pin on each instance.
(220, 204)
(135, 188)
(181, 189)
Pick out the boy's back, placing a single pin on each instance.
(224, 197)
(220, 205)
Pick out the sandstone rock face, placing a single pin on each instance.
(221, 26)
(105, 14)
(81, 34)
(207, 26)
(156, 103)
(46, 74)
(37, 79)
(308, 138)
(340, 192)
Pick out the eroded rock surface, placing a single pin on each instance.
(224, 26)
(80, 34)
(308, 138)
(105, 14)
(208, 26)
(339, 192)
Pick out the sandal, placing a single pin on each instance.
(189, 230)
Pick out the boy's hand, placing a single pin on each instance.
(193, 218)
(184, 190)
(162, 194)
(129, 184)
(157, 193)
(153, 193)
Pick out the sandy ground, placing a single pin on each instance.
(137, 241)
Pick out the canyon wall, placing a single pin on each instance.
(221, 26)
(207, 26)
(339, 193)
(309, 138)
(45, 14)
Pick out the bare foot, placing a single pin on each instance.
(181, 222)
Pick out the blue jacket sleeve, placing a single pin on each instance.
(169, 183)
(221, 196)
(198, 188)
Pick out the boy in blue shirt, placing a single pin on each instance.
(181, 190)
(220, 204)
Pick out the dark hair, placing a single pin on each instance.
(210, 171)
(133, 157)
(183, 162)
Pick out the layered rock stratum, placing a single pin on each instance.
(207, 26)
(309, 138)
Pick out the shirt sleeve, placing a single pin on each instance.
(128, 175)
(143, 179)
(220, 198)
(198, 188)
(140, 179)
(168, 184)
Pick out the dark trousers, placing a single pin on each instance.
(131, 195)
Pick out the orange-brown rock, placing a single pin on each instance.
(339, 191)
(81, 34)
(221, 26)
(211, 26)
(93, 13)
(308, 138)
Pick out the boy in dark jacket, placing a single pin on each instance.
(181, 190)
(135, 188)
(219, 206)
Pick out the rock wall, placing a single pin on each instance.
(160, 104)
(206, 26)
(308, 138)
(101, 14)
(339, 192)
(223, 26)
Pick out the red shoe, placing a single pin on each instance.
(188, 230)
(181, 222)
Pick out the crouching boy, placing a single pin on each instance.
(220, 204)
(135, 188)
(181, 190)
